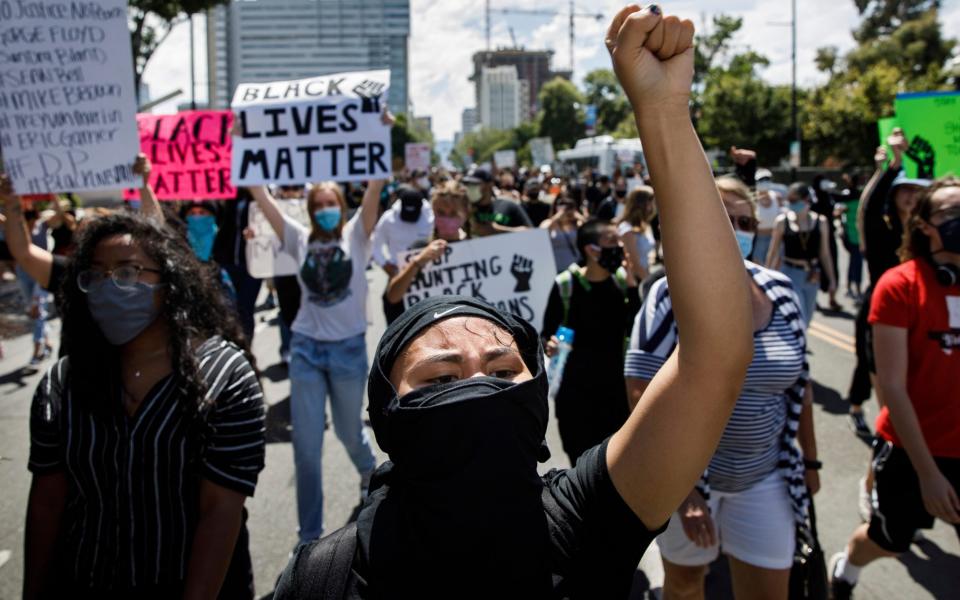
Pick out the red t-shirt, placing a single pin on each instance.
(910, 297)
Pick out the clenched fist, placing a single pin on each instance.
(653, 58)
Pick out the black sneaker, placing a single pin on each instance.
(858, 423)
(839, 589)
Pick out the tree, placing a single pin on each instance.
(740, 109)
(561, 116)
(827, 59)
(403, 133)
(713, 44)
(151, 21)
(604, 91)
(479, 146)
(883, 17)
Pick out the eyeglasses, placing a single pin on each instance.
(125, 277)
(743, 223)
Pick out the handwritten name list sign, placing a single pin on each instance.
(322, 128)
(67, 104)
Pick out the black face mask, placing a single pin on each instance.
(410, 209)
(621, 193)
(462, 487)
(611, 259)
(950, 235)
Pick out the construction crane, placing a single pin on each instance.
(574, 15)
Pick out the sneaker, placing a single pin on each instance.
(864, 501)
(839, 589)
(858, 424)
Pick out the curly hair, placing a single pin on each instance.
(916, 244)
(194, 309)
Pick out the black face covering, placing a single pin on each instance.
(611, 258)
(458, 510)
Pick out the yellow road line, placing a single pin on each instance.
(827, 330)
(832, 341)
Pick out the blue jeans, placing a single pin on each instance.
(316, 370)
(247, 289)
(761, 246)
(806, 290)
(33, 293)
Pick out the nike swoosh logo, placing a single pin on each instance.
(437, 315)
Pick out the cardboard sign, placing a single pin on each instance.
(67, 103)
(931, 122)
(541, 150)
(317, 129)
(190, 153)
(416, 156)
(512, 271)
(264, 257)
(505, 159)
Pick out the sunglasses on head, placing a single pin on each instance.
(743, 223)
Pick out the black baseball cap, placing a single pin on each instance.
(478, 175)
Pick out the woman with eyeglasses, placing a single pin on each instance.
(805, 237)
(752, 496)
(147, 437)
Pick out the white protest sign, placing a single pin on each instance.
(68, 113)
(264, 258)
(541, 150)
(316, 129)
(512, 271)
(505, 159)
(417, 156)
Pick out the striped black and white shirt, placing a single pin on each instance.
(761, 433)
(133, 482)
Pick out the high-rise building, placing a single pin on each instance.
(468, 120)
(533, 70)
(500, 98)
(275, 40)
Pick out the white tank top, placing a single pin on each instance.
(767, 216)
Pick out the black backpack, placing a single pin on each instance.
(321, 569)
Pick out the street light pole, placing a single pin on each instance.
(193, 84)
(793, 93)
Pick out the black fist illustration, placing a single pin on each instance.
(922, 153)
(370, 92)
(522, 270)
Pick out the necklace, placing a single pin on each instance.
(138, 372)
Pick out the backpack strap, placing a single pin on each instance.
(620, 278)
(320, 570)
(565, 286)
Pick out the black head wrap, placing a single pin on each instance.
(417, 319)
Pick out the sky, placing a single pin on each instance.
(445, 34)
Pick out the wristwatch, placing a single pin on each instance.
(815, 465)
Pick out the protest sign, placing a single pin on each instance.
(541, 149)
(190, 153)
(316, 129)
(67, 103)
(417, 156)
(512, 271)
(505, 159)
(264, 257)
(931, 122)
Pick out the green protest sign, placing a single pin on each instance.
(931, 122)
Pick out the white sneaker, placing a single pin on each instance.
(864, 501)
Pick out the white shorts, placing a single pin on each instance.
(756, 527)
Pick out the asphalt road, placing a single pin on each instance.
(930, 570)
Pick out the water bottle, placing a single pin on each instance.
(559, 360)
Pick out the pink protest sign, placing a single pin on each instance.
(190, 153)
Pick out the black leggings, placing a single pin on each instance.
(860, 386)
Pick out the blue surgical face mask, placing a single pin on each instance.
(122, 313)
(798, 207)
(745, 241)
(201, 232)
(327, 218)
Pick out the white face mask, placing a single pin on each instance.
(423, 183)
(474, 193)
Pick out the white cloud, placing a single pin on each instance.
(446, 33)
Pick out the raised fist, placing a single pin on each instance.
(522, 271)
(653, 58)
(921, 152)
(142, 166)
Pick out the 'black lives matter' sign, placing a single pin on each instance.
(67, 102)
(317, 129)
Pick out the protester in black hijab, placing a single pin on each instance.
(457, 398)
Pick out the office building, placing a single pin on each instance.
(468, 120)
(500, 106)
(276, 40)
(532, 68)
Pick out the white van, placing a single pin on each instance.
(602, 153)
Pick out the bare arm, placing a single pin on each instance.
(773, 255)
(865, 195)
(397, 286)
(890, 349)
(149, 205)
(34, 260)
(270, 209)
(633, 256)
(635, 389)
(45, 507)
(213, 541)
(808, 439)
(684, 410)
(370, 209)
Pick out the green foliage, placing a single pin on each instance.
(151, 21)
(478, 146)
(901, 49)
(404, 132)
(604, 91)
(713, 44)
(561, 116)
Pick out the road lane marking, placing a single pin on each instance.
(832, 341)
(838, 335)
